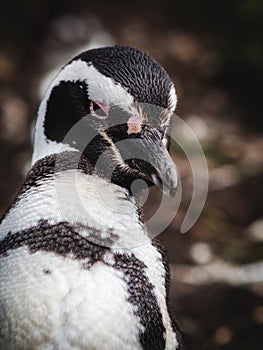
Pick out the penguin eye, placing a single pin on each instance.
(99, 110)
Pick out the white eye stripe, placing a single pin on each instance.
(172, 98)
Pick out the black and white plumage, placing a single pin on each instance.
(92, 278)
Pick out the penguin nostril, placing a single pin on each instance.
(156, 180)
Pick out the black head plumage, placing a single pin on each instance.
(141, 75)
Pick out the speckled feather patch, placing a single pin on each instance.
(61, 239)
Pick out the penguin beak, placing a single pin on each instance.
(148, 154)
(165, 174)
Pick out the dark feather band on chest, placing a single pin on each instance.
(61, 239)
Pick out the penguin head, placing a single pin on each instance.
(114, 105)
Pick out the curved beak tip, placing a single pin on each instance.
(172, 192)
(169, 190)
(167, 185)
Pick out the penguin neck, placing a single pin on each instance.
(98, 210)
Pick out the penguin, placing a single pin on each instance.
(78, 268)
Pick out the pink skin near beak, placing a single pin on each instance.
(105, 108)
(134, 125)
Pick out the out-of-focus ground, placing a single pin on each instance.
(214, 53)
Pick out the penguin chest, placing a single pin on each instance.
(57, 303)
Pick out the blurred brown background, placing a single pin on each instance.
(214, 53)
